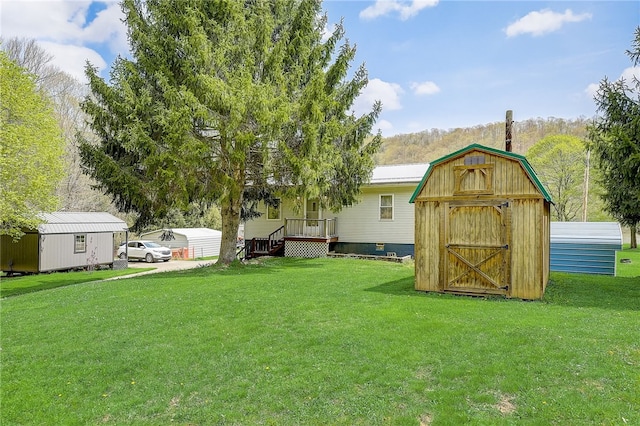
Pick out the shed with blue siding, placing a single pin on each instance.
(585, 247)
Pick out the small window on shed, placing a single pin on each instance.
(80, 243)
(473, 159)
(475, 177)
(386, 207)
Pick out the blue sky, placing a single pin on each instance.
(433, 64)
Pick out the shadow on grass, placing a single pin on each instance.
(401, 287)
(15, 286)
(575, 290)
(593, 291)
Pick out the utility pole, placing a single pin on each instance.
(508, 126)
(585, 194)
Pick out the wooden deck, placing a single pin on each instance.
(306, 230)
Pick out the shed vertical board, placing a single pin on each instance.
(427, 253)
(528, 253)
(492, 227)
(21, 255)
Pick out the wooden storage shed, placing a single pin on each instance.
(482, 225)
(195, 242)
(64, 241)
(585, 247)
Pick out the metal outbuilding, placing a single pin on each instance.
(65, 240)
(585, 247)
(194, 242)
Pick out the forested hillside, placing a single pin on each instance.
(429, 145)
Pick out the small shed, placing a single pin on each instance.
(194, 242)
(482, 225)
(65, 240)
(585, 247)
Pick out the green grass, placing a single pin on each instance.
(14, 286)
(628, 269)
(319, 342)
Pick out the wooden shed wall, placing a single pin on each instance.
(529, 224)
(427, 246)
(529, 248)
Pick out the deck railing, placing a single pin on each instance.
(312, 228)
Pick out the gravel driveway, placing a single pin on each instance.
(172, 265)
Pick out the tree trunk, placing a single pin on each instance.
(634, 240)
(230, 212)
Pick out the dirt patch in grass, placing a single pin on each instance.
(505, 406)
(425, 420)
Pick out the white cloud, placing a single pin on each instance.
(591, 90)
(384, 126)
(378, 90)
(425, 88)
(63, 30)
(629, 75)
(405, 10)
(543, 22)
(72, 59)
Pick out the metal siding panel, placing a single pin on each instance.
(583, 258)
(19, 256)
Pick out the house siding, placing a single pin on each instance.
(360, 223)
(358, 226)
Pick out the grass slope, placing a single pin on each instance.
(320, 341)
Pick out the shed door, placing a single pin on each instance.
(476, 247)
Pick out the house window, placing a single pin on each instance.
(386, 207)
(273, 213)
(80, 243)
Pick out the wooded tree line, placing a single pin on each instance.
(170, 147)
(429, 145)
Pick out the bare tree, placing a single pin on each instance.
(66, 92)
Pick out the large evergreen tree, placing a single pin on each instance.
(615, 141)
(228, 102)
(31, 150)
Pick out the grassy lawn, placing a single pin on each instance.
(319, 342)
(29, 283)
(628, 269)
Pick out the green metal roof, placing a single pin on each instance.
(520, 158)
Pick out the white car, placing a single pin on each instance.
(144, 250)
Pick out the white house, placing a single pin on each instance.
(381, 223)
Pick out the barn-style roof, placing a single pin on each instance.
(77, 222)
(477, 147)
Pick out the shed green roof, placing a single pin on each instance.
(520, 158)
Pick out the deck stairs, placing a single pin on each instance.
(273, 245)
